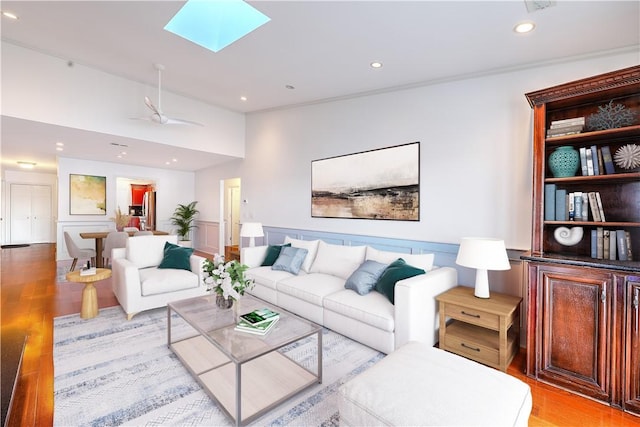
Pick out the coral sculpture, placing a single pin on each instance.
(611, 116)
(627, 156)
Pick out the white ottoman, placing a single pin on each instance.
(418, 385)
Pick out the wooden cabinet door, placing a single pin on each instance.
(631, 393)
(574, 342)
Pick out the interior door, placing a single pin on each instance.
(235, 215)
(30, 213)
(40, 213)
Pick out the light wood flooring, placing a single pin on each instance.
(30, 299)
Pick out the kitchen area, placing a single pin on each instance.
(138, 198)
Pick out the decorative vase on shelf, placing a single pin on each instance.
(223, 302)
(564, 162)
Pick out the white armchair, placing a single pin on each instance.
(140, 285)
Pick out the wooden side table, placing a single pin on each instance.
(486, 330)
(89, 293)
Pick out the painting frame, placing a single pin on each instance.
(379, 184)
(87, 194)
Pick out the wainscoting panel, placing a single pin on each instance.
(207, 237)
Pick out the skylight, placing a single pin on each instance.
(215, 24)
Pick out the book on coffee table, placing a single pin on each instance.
(260, 329)
(257, 317)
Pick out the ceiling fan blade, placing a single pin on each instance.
(171, 121)
(152, 107)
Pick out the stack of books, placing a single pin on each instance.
(565, 127)
(258, 322)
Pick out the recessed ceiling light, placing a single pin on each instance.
(26, 165)
(167, 163)
(524, 27)
(243, 98)
(60, 144)
(9, 15)
(175, 160)
(59, 149)
(376, 64)
(291, 87)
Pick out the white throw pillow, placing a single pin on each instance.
(338, 260)
(423, 261)
(310, 245)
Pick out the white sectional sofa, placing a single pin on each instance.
(317, 292)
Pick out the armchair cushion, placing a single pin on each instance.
(148, 251)
(176, 257)
(155, 281)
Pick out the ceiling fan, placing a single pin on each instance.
(158, 116)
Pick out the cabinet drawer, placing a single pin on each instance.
(475, 343)
(470, 315)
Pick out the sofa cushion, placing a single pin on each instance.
(364, 279)
(337, 260)
(268, 277)
(373, 309)
(176, 257)
(397, 270)
(312, 288)
(290, 259)
(423, 261)
(154, 281)
(273, 252)
(148, 251)
(310, 245)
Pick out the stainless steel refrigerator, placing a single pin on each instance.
(148, 220)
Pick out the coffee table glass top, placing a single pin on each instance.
(218, 326)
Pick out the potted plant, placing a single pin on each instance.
(183, 218)
(121, 220)
(226, 279)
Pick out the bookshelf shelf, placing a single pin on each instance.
(581, 296)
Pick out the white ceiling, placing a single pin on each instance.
(322, 48)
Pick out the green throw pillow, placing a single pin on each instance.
(176, 257)
(273, 252)
(397, 270)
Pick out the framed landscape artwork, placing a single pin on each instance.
(87, 195)
(376, 184)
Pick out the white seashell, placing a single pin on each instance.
(568, 237)
(628, 156)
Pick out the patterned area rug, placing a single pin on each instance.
(110, 371)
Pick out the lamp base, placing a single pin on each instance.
(482, 284)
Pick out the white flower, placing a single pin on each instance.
(228, 290)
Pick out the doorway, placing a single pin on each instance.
(230, 202)
(30, 214)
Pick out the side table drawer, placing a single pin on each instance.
(473, 342)
(475, 317)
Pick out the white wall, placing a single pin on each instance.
(475, 166)
(46, 89)
(172, 187)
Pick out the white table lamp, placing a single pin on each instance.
(483, 254)
(251, 230)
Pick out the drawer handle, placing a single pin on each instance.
(477, 316)
(469, 347)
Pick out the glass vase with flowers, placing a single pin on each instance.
(226, 279)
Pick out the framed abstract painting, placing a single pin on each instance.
(376, 184)
(87, 195)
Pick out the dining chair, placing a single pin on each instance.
(115, 239)
(143, 233)
(77, 252)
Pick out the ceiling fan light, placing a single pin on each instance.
(524, 27)
(26, 165)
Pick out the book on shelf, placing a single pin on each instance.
(561, 211)
(607, 160)
(605, 244)
(600, 243)
(583, 161)
(568, 122)
(629, 251)
(613, 245)
(594, 156)
(261, 329)
(600, 162)
(572, 206)
(257, 317)
(593, 204)
(621, 235)
(564, 130)
(585, 206)
(549, 202)
(589, 161)
(577, 206)
(594, 243)
(600, 209)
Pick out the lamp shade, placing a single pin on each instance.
(251, 230)
(483, 254)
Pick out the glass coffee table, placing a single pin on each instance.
(246, 374)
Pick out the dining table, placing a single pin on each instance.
(99, 237)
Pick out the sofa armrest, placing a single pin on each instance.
(416, 308)
(126, 283)
(253, 256)
(197, 263)
(118, 253)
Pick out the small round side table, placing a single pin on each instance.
(89, 294)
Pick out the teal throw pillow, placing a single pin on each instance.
(273, 252)
(290, 259)
(364, 279)
(177, 257)
(397, 270)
